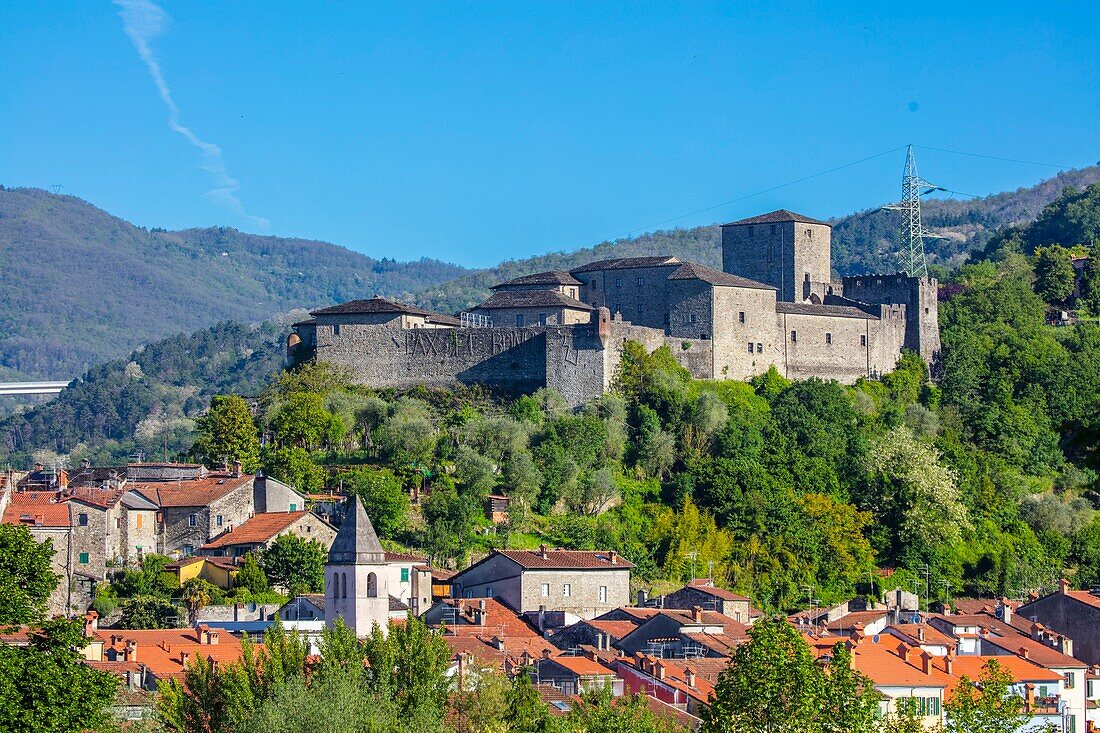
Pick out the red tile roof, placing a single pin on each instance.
(405, 557)
(37, 509)
(192, 492)
(583, 666)
(162, 651)
(566, 559)
(614, 629)
(257, 530)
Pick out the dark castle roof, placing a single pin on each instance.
(356, 542)
(812, 309)
(532, 299)
(775, 217)
(627, 263)
(553, 277)
(695, 271)
(378, 304)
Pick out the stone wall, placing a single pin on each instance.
(732, 358)
(812, 257)
(691, 309)
(781, 255)
(139, 530)
(639, 294)
(919, 295)
(584, 590)
(90, 540)
(272, 495)
(177, 533)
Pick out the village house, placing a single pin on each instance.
(685, 634)
(583, 583)
(260, 530)
(685, 684)
(1075, 613)
(702, 592)
(575, 675)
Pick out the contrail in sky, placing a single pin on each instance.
(144, 20)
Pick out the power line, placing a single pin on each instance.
(994, 157)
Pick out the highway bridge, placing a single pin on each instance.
(19, 388)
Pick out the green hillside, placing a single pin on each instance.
(862, 242)
(79, 286)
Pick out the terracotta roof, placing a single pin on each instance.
(532, 299)
(932, 635)
(893, 663)
(675, 673)
(978, 605)
(707, 586)
(378, 304)
(694, 271)
(497, 619)
(1022, 670)
(192, 492)
(615, 629)
(162, 650)
(37, 509)
(775, 217)
(583, 666)
(812, 309)
(104, 497)
(552, 277)
(257, 530)
(627, 263)
(854, 619)
(565, 559)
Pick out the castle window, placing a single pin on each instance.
(828, 338)
(741, 317)
(343, 585)
(809, 233)
(925, 311)
(750, 347)
(794, 337)
(691, 318)
(773, 228)
(750, 230)
(863, 339)
(336, 329)
(641, 281)
(618, 282)
(520, 320)
(668, 318)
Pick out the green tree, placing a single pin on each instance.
(295, 467)
(46, 688)
(303, 421)
(227, 432)
(849, 699)
(149, 612)
(380, 490)
(1054, 275)
(771, 686)
(196, 594)
(329, 704)
(295, 564)
(1090, 283)
(985, 705)
(450, 521)
(524, 710)
(600, 711)
(409, 666)
(26, 576)
(250, 576)
(209, 698)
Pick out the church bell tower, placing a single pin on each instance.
(355, 575)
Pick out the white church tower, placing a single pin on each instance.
(355, 575)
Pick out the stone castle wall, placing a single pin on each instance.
(919, 295)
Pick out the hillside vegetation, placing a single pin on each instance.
(862, 242)
(79, 286)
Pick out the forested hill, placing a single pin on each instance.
(79, 286)
(862, 242)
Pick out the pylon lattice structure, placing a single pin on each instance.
(913, 261)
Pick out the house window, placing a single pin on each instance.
(404, 575)
(928, 706)
(219, 520)
(488, 591)
(750, 347)
(863, 339)
(828, 338)
(188, 549)
(293, 507)
(603, 594)
(566, 590)
(520, 320)
(545, 590)
(192, 520)
(118, 522)
(139, 521)
(336, 329)
(83, 558)
(759, 348)
(741, 317)
(809, 234)
(83, 519)
(542, 319)
(1071, 680)
(794, 337)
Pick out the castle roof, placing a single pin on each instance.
(356, 542)
(378, 304)
(532, 299)
(812, 309)
(775, 217)
(627, 263)
(695, 271)
(553, 277)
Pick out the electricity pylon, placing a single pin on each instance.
(913, 262)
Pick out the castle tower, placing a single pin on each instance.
(789, 251)
(355, 575)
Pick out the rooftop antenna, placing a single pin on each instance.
(913, 232)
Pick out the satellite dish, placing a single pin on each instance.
(875, 638)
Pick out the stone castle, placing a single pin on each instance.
(774, 303)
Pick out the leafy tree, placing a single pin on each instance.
(329, 704)
(771, 686)
(409, 666)
(46, 688)
(295, 563)
(986, 705)
(906, 717)
(600, 712)
(149, 612)
(450, 519)
(295, 467)
(524, 710)
(196, 594)
(227, 432)
(1090, 283)
(209, 698)
(380, 490)
(850, 701)
(26, 575)
(250, 576)
(303, 421)
(1054, 274)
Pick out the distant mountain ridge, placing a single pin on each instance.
(79, 286)
(863, 242)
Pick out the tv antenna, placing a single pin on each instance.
(913, 261)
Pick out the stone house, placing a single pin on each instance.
(521, 308)
(598, 633)
(1073, 613)
(694, 633)
(272, 495)
(575, 675)
(703, 593)
(195, 511)
(260, 530)
(586, 584)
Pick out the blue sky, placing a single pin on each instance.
(481, 132)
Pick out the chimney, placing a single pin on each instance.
(641, 598)
(1065, 645)
(920, 633)
(949, 663)
(545, 653)
(1037, 630)
(542, 619)
(659, 670)
(1025, 653)
(613, 557)
(91, 624)
(237, 466)
(926, 662)
(498, 643)
(696, 613)
(1004, 611)
(1063, 587)
(185, 657)
(130, 653)
(689, 677)
(542, 551)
